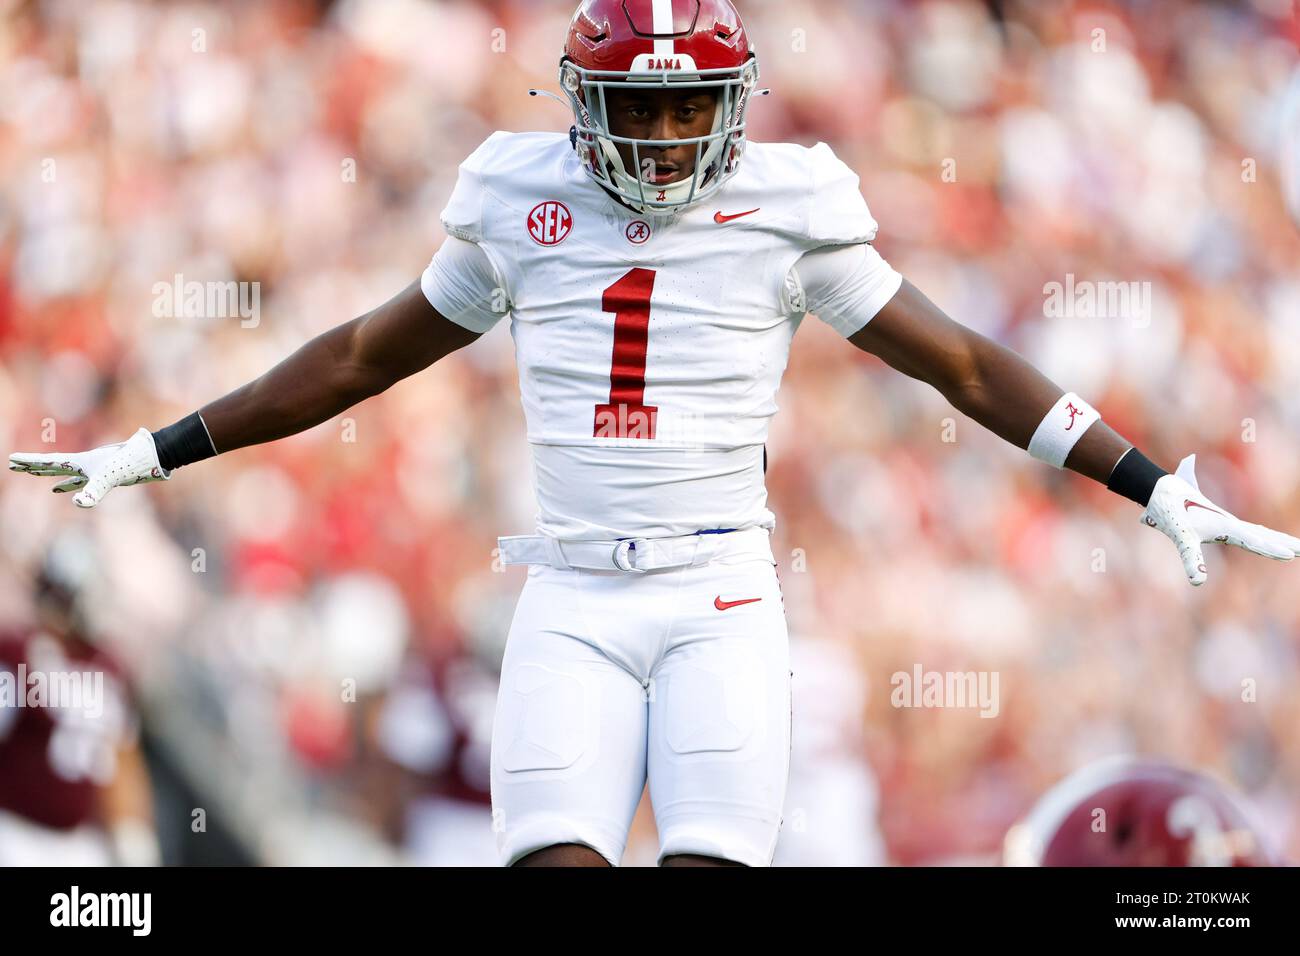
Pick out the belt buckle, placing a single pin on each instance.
(622, 555)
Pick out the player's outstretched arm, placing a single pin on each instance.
(1004, 393)
(335, 371)
(327, 375)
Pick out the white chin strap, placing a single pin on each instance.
(675, 193)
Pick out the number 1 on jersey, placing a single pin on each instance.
(626, 415)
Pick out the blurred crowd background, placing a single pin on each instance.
(309, 147)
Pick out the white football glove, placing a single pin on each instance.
(1189, 519)
(97, 471)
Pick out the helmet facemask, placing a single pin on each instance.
(717, 153)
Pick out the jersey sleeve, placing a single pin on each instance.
(463, 215)
(462, 285)
(837, 213)
(845, 286)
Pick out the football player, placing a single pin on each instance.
(74, 788)
(655, 266)
(1131, 811)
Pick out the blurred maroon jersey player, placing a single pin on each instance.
(1131, 812)
(437, 725)
(73, 789)
(56, 758)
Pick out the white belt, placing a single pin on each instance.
(635, 555)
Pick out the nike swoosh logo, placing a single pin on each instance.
(1189, 504)
(722, 605)
(719, 218)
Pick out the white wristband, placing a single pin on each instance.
(1060, 428)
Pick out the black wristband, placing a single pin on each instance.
(183, 443)
(1134, 476)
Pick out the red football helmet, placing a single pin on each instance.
(663, 44)
(1125, 811)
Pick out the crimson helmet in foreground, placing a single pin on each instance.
(1131, 812)
(658, 44)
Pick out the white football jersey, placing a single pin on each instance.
(650, 350)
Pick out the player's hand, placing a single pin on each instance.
(1189, 519)
(93, 473)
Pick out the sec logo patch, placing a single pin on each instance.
(549, 223)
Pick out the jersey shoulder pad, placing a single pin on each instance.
(837, 212)
(505, 167)
(824, 204)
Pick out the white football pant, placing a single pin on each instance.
(678, 676)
